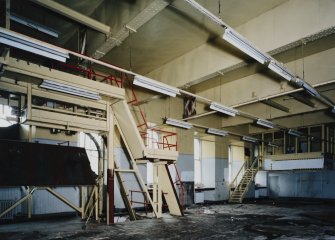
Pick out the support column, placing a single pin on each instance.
(110, 167)
(100, 183)
(157, 190)
(82, 200)
(29, 203)
(7, 24)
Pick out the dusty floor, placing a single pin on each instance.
(247, 221)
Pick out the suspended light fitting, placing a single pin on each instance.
(223, 109)
(295, 133)
(245, 46)
(155, 86)
(34, 25)
(265, 123)
(22, 42)
(178, 123)
(281, 70)
(249, 139)
(217, 132)
(59, 87)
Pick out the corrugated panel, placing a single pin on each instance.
(33, 164)
(5, 204)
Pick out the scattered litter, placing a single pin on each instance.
(208, 211)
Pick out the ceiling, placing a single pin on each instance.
(171, 33)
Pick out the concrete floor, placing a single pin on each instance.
(239, 221)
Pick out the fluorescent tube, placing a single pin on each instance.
(249, 139)
(223, 109)
(34, 25)
(59, 87)
(265, 123)
(312, 91)
(25, 43)
(244, 45)
(295, 133)
(281, 70)
(155, 86)
(217, 132)
(206, 12)
(178, 123)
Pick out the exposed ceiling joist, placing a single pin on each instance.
(243, 44)
(276, 105)
(74, 15)
(302, 99)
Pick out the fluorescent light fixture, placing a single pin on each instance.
(34, 25)
(312, 91)
(245, 46)
(64, 88)
(223, 109)
(217, 132)
(25, 43)
(249, 139)
(206, 12)
(281, 70)
(265, 123)
(295, 133)
(178, 123)
(273, 145)
(155, 86)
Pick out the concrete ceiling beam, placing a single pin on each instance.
(74, 15)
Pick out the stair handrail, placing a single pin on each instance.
(236, 176)
(232, 185)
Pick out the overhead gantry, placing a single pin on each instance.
(55, 99)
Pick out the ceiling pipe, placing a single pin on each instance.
(74, 15)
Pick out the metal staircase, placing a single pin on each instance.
(137, 151)
(135, 133)
(238, 191)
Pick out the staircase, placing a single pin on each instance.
(136, 139)
(238, 192)
(137, 150)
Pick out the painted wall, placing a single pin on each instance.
(316, 184)
(221, 192)
(130, 179)
(297, 184)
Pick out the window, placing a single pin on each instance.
(152, 140)
(303, 140)
(6, 116)
(91, 149)
(278, 139)
(268, 137)
(316, 138)
(289, 143)
(204, 163)
(197, 162)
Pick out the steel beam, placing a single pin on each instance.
(275, 105)
(59, 196)
(74, 15)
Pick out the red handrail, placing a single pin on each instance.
(178, 181)
(113, 80)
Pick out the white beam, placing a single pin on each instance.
(74, 15)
